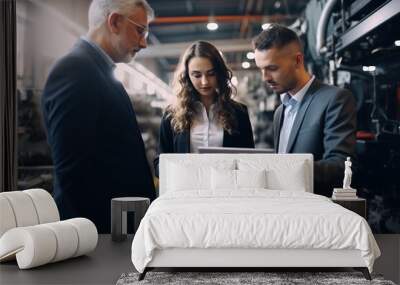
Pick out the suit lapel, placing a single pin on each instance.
(95, 56)
(186, 141)
(278, 126)
(226, 139)
(183, 142)
(109, 79)
(301, 113)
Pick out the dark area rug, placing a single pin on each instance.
(242, 278)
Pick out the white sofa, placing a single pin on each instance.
(266, 197)
(31, 231)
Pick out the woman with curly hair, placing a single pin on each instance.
(204, 114)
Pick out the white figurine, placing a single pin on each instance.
(347, 174)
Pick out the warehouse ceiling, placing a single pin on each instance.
(178, 23)
(181, 22)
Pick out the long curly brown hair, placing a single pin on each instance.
(183, 112)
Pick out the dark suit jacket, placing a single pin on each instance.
(172, 142)
(325, 125)
(96, 144)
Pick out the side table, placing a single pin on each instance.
(119, 209)
(357, 205)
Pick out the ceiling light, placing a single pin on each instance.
(277, 4)
(397, 43)
(245, 64)
(370, 68)
(212, 26)
(250, 55)
(265, 26)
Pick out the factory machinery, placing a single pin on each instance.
(356, 44)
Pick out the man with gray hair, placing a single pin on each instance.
(96, 144)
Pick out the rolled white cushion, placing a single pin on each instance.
(26, 208)
(7, 218)
(67, 240)
(40, 244)
(23, 208)
(46, 208)
(33, 246)
(87, 235)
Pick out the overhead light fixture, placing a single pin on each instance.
(370, 68)
(397, 43)
(246, 64)
(277, 4)
(265, 26)
(250, 55)
(212, 24)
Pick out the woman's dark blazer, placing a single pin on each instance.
(172, 142)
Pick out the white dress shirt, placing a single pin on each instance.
(291, 104)
(205, 130)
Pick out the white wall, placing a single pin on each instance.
(46, 30)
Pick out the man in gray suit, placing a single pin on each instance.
(96, 144)
(313, 117)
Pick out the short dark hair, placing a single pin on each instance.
(275, 36)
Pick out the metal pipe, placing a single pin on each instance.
(224, 18)
(322, 26)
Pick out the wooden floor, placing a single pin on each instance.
(103, 266)
(106, 264)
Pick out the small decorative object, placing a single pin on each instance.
(347, 174)
(345, 193)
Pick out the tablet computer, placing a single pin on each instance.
(234, 150)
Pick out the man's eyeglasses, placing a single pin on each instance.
(142, 31)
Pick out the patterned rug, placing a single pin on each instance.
(243, 278)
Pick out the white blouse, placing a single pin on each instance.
(205, 130)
